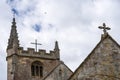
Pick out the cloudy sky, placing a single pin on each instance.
(73, 23)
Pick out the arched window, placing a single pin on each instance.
(37, 69)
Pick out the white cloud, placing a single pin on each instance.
(73, 23)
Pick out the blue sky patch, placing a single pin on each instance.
(37, 27)
(15, 11)
(10, 1)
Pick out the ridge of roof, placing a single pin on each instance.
(55, 68)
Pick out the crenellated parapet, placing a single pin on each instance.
(30, 52)
(14, 48)
(20, 61)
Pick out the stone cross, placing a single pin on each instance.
(36, 43)
(104, 28)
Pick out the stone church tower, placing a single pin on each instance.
(32, 65)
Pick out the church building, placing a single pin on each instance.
(32, 65)
(103, 63)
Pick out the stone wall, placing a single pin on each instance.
(9, 69)
(62, 72)
(24, 67)
(102, 64)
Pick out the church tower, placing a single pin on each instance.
(31, 64)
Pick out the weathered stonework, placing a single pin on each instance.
(103, 63)
(60, 73)
(41, 53)
(24, 59)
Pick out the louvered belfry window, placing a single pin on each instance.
(37, 69)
